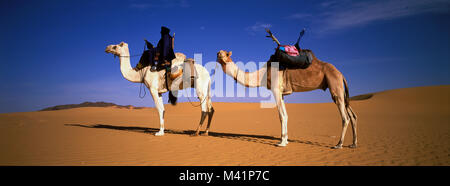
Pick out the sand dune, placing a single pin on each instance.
(397, 127)
(89, 104)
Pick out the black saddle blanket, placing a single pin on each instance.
(302, 61)
(147, 60)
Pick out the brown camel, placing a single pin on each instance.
(319, 75)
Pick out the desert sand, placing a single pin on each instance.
(407, 126)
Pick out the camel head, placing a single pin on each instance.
(223, 57)
(117, 50)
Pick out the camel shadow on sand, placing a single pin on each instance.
(268, 140)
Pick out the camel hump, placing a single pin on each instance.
(330, 68)
(308, 51)
(180, 55)
(179, 58)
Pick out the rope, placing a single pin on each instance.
(142, 73)
(142, 78)
(132, 55)
(209, 89)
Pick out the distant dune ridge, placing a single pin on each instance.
(106, 104)
(89, 104)
(408, 126)
(361, 97)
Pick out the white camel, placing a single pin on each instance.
(155, 82)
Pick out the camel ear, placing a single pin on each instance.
(121, 43)
(229, 53)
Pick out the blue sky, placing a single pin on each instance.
(53, 51)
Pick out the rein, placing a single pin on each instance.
(128, 56)
(209, 89)
(142, 73)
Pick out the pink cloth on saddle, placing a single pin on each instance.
(291, 50)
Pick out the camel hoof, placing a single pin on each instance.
(352, 146)
(282, 144)
(159, 134)
(337, 147)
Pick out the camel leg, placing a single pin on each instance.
(352, 116)
(210, 115)
(202, 119)
(345, 120)
(283, 118)
(157, 98)
(204, 111)
(210, 109)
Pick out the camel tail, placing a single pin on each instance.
(172, 99)
(347, 99)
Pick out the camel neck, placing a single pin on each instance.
(247, 79)
(125, 67)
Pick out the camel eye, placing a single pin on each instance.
(114, 47)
